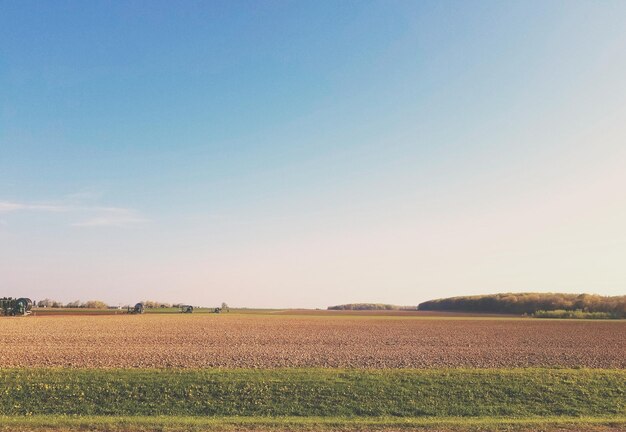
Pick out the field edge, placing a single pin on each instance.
(179, 423)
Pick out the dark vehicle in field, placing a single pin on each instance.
(10, 306)
(137, 309)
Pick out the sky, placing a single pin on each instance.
(305, 154)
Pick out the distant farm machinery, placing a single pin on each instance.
(186, 309)
(189, 309)
(10, 306)
(182, 308)
(137, 309)
(140, 308)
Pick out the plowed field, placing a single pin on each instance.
(290, 341)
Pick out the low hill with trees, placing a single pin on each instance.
(533, 303)
(370, 306)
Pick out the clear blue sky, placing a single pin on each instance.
(280, 153)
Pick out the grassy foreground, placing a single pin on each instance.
(202, 399)
(192, 424)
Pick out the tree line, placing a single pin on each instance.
(98, 304)
(90, 304)
(370, 306)
(530, 303)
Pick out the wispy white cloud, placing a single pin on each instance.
(11, 206)
(93, 216)
(6, 207)
(115, 217)
(87, 194)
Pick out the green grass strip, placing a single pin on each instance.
(190, 424)
(513, 393)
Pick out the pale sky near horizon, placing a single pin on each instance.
(304, 154)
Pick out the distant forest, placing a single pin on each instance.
(530, 303)
(370, 306)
